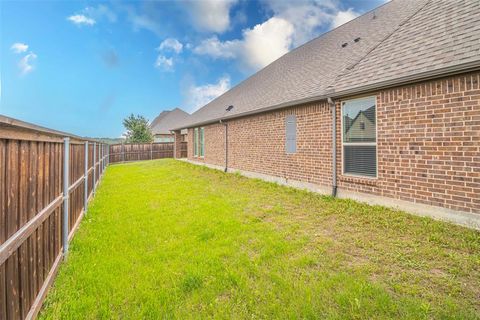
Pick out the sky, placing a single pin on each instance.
(83, 66)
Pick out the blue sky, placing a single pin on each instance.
(82, 66)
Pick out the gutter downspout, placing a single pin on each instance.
(334, 147)
(226, 144)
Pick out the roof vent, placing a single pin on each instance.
(374, 15)
(357, 39)
(344, 45)
(229, 108)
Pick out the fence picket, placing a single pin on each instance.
(139, 151)
(33, 224)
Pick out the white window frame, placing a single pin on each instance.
(201, 146)
(195, 142)
(359, 143)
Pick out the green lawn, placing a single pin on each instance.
(167, 239)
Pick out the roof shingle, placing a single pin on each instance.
(168, 120)
(400, 38)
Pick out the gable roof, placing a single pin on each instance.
(444, 33)
(167, 120)
(401, 39)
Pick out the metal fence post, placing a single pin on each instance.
(66, 162)
(85, 183)
(104, 159)
(94, 166)
(100, 157)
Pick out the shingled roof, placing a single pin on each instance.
(168, 120)
(403, 40)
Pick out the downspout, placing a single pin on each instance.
(226, 144)
(334, 147)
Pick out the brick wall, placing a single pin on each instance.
(428, 144)
(214, 145)
(258, 144)
(177, 144)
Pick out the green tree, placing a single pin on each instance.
(138, 130)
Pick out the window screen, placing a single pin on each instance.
(291, 133)
(359, 137)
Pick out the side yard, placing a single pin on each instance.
(167, 239)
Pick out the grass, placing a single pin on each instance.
(166, 239)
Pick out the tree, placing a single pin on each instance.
(138, 130)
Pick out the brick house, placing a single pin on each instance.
(383, 109)
(165, 121)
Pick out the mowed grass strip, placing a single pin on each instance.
(167, 239)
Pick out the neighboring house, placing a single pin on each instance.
(162, 125)
(383, 109)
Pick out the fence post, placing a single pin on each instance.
(151, 151)
(101, 160)
(85, 183)
(104, 156)
(94, 166)
(108, 155)
(66, 162)
(123, 152)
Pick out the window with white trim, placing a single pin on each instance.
(195, 142)
(202, 142)
(359, 137)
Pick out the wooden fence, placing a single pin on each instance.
(46, 180)
(140, 151)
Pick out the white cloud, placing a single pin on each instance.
(26, 63)
(291, 25)
(211, 15)
(91, 15)
(267, 42)
(146, 16)
(343, 17)
(19, 47)
(80, 19)
(310, 17)
(141, 21)
(259, 46)
(306, 16)
(164, 63)
(99, 12)
(171, 44)
(217, 49)
(198, 96)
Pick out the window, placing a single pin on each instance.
(163, 139)
(202, 143)
(359, 137)
(195, 142)
(198, 142)
(291, 133)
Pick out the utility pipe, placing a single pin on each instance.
(334, 147)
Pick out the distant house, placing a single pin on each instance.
(166, 121)
(383, 109)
